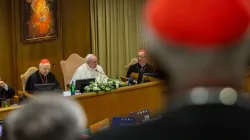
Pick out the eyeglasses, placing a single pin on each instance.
(94, 62)
(141, 57)
(46, 69)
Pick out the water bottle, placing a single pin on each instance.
(142, 79)
(5, 103)
(72, 88)
(130, 80)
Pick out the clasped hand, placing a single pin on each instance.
(2, 84)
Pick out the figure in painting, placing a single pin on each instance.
(40, 19)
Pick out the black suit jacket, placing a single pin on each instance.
(7, 94)
(36, 79)
(136, 69)
(193, 122)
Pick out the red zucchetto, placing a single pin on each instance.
(200, 24)
(44, 61)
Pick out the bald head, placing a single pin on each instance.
(202, 68)
(141, 53)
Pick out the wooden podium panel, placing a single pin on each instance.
(119, 102)
(5, 111)
(122, 101)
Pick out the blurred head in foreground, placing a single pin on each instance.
(199, 46)
(47, 117)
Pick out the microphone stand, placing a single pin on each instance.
(100, 72)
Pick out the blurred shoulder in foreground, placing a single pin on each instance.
(204, 48)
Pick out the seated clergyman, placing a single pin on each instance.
(142, 66)
(6, 92)
(41, 76)
(90, 69)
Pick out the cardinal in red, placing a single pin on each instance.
(42, 76)
(204, 45)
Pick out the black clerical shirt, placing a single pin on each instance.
(137, 68)
(7, 94)
(37, 78)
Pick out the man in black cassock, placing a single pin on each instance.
(204, 45)
(41, 76)
(6, 92)
(141, 67)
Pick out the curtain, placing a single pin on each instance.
(116, 30)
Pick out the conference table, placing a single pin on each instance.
(119, 102)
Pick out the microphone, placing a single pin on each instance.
(100, 72)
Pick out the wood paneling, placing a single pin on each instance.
(76, 27)
(120, 102)
(17, 57)
(6, 69)
(30, 54)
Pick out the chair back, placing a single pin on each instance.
(141, 116)
(132, 62)
(118, 122)
(24, 77)
(69, 67)
(146, 78)
(99, 126)
(134, 76)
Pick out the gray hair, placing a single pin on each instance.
(187, 67)
(42, 65)
(88, 57)
(47, 117)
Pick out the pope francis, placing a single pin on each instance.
(90, 69)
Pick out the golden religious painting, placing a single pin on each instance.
(39, 20)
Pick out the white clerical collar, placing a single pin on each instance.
(142, 65)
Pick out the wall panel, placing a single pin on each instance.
(76, 27)
(6, 68)
(16, 57)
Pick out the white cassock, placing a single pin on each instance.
(84, 71)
